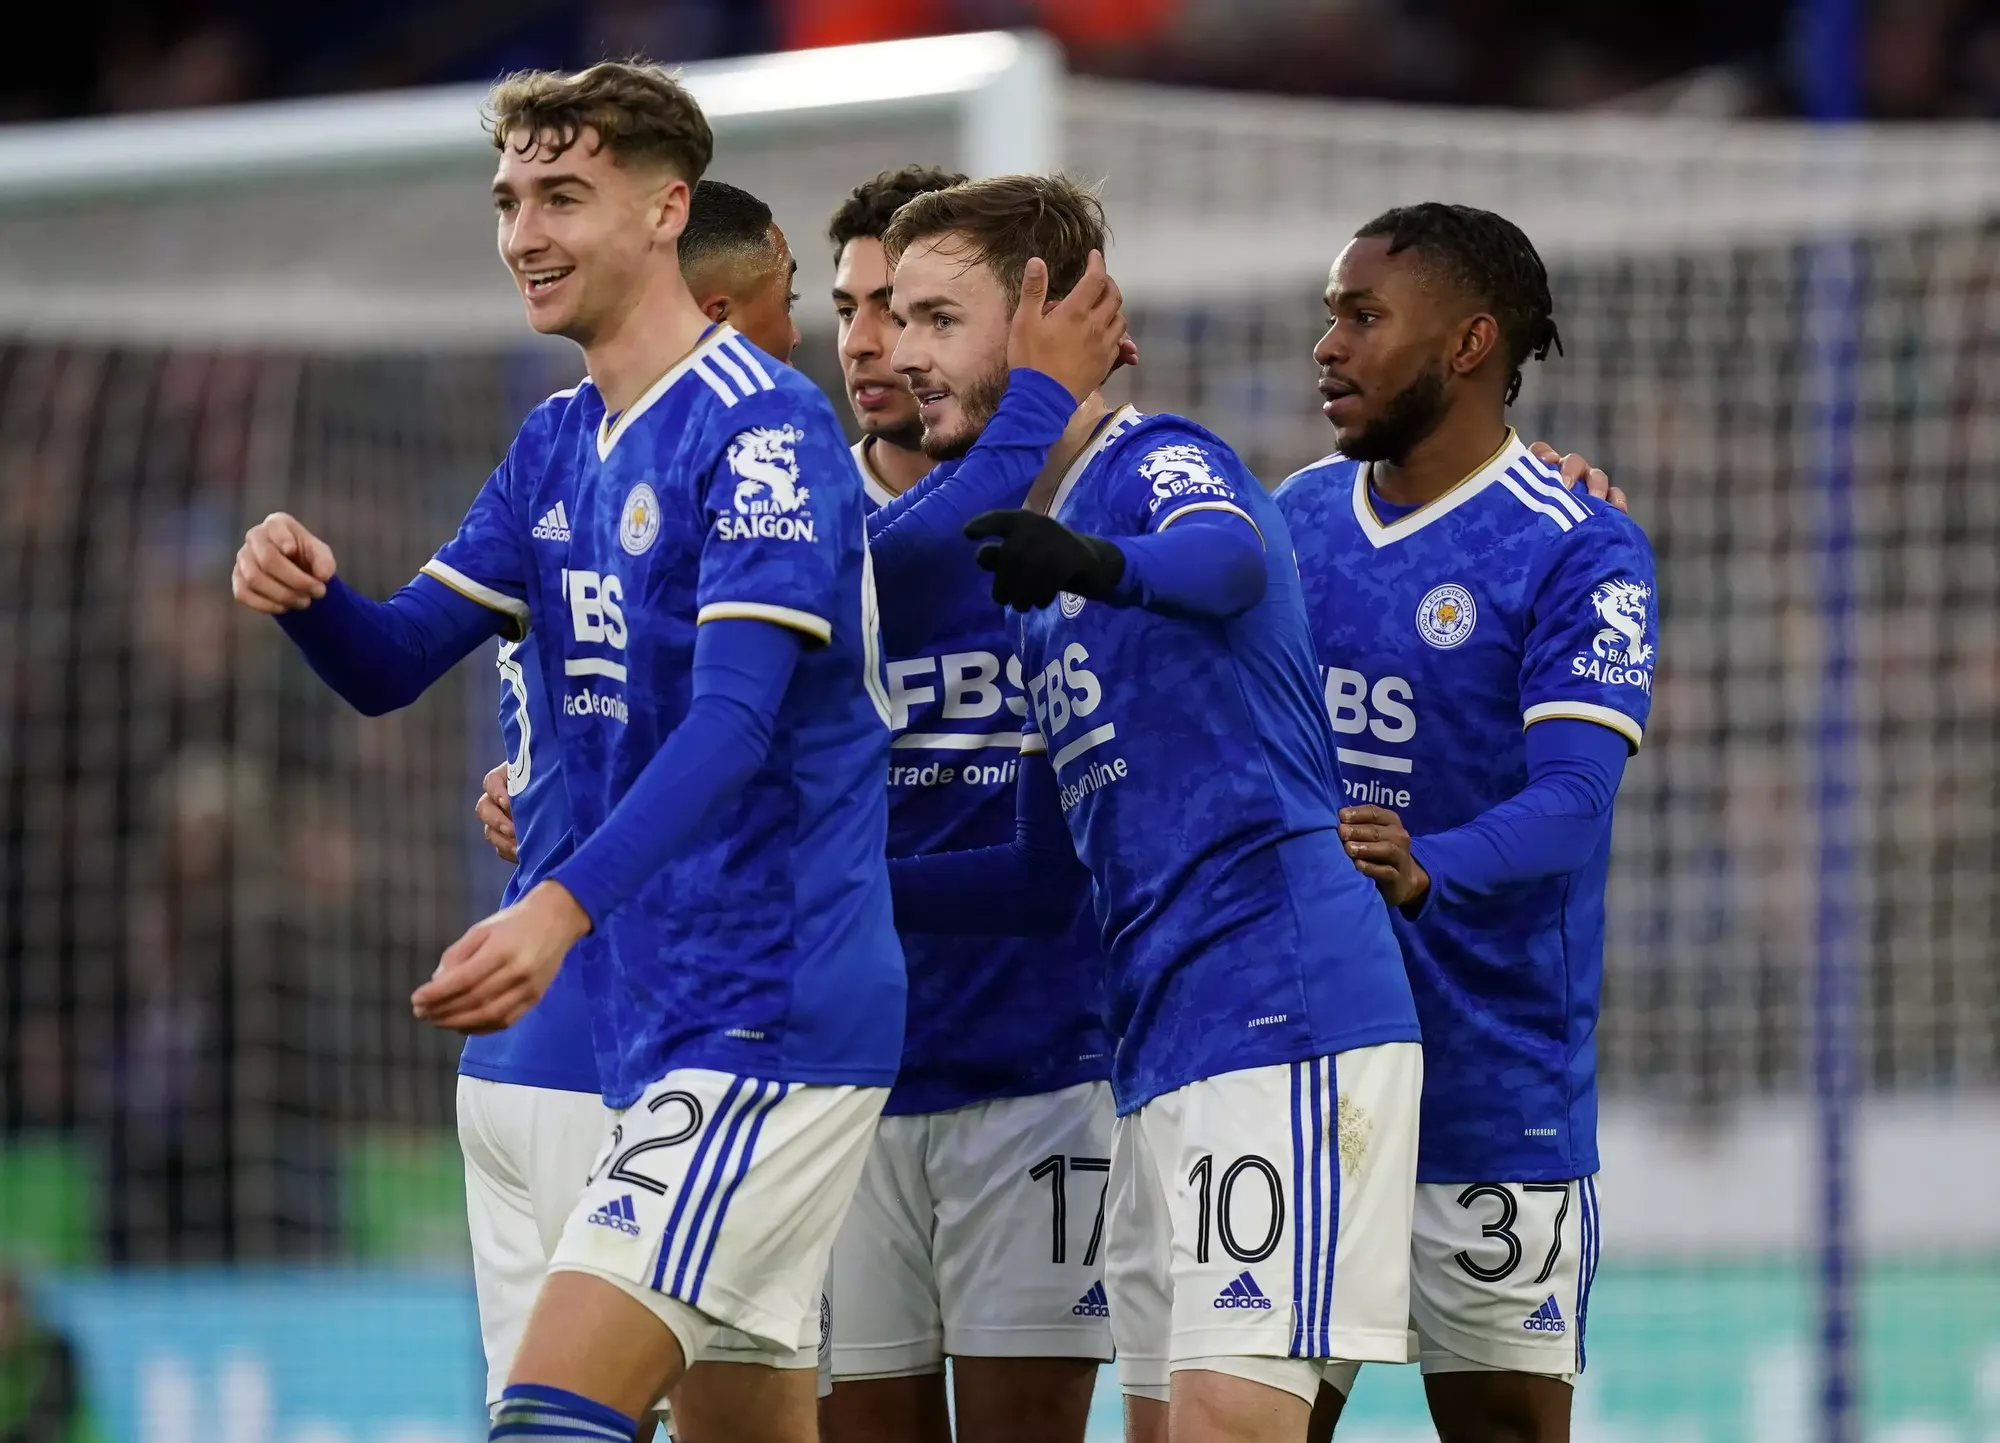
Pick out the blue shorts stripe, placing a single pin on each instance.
(1333, 1201)
(1301, 1295)
(1315, 1338)
(743, 1160)
(697, 1224)
(708, 1135)
(1586, 1262)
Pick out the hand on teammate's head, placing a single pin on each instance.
(281, 566)
(1576, 469)
(495, 810)
(1078, 340)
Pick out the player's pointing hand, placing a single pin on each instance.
(490, 977)
(1032, 558)
(1080, 339)
(281, 566)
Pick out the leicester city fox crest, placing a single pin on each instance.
(1621, 606)
(768, 500)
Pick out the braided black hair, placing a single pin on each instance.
(1490, 258)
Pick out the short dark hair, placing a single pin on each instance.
(1008, 221)
(866, 214)
(723, 220)
(639, 111)
(1492, 260)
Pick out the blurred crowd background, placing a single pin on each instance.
(1924, 58)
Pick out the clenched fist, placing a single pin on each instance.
(281, 567)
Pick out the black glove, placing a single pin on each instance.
(1035, 557)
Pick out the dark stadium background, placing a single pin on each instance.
(1925, 58)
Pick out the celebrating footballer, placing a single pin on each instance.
(1012, 892)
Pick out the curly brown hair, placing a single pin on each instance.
(866, 213)
(639, 111)
(1008, 221)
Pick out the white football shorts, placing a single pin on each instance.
(977, 1233)
(1500, 1277)
(715, 1200)
(528, 1152)
(1260, 1222)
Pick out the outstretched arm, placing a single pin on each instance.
(1031, 886)
(1210, 565)
(378, 655)
(1551, 826)
(500, 968)
(382, 655)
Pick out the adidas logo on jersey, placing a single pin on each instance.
(554, 525)
(1093, 1304)
(1243, 1292)
(1547, 1318)
(617, 1215)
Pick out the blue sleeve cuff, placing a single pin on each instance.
(1042, 396)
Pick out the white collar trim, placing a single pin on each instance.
(608, 435)
(1380, 535)
(1115, 425)
(870, 483)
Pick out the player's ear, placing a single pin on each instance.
(716, 308)
(670, 205)
(1478, 339)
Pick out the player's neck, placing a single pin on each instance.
(1076, 435)
(898, 468)
(643, 343)
(1457, 449)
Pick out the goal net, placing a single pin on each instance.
(218, 886)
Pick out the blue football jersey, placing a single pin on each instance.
(551, 1046)
(1442, 636)
(988, 1016)
(1197, 777)
(766, 949)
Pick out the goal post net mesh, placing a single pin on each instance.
(218, 885)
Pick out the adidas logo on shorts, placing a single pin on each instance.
(1093, 1304)
(554, 525)
(1243, 1292)
(617, 1215)
(1547, 1318)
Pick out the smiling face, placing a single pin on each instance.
(883, 403)
(582, 234)
(954, 313)
(1389, 351)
